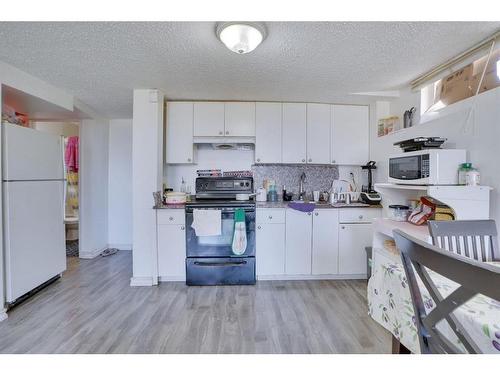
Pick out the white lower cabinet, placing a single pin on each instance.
(325, 251)
(353, 238)
(171, 252)
(270, 254)
(298, 242)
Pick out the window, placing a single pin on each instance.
(462, 83)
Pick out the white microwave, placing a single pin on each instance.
(426, 167)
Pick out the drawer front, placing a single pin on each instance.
(359, 215)
(270, 216)
(174, 216)
(220, 271)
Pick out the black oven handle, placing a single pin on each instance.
(221, 264)
(224, 210)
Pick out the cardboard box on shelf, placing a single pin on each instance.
(455, 87)
(490, 79)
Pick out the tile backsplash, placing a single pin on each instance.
(318, 177)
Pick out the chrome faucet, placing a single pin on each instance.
(302, 192)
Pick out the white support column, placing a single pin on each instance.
(147, 177)
(3, 314)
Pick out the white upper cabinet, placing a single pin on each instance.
(239, 119)
(179, 142)
(294, 133)
(208, 119)
(268, 132)
(350, 130)
(318, 133)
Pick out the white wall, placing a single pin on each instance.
(120, 184)
(480, 138)
(207, 158)
(94, 135)
(65, 129)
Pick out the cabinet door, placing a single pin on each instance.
(294, 133)
(179, 133)
(268, 133)
(209, 119)
(325, 250)
(172, 252)
(353, 238)
(270, 251)
(239, 119)
(318, 133)
(350, 130)
(298, 242)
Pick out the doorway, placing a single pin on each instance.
(69, 131)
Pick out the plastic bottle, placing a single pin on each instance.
(462, 172)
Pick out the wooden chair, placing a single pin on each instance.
(473, 277)
(474, 239)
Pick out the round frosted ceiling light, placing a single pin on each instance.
(241, 37)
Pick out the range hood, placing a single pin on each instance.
(227, 143)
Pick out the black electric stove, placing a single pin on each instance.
(210, 259)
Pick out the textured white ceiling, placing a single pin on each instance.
(100, 63)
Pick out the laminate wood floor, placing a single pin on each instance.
(92, 309)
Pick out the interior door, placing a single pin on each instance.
(318, 133)
(294, 133)
(35, 248)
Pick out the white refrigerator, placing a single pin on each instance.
(33, 215)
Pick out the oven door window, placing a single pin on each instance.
(226, 237)
(406, 168)
(219, 246)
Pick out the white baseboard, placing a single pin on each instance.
(3, 314)
(170, 278)
(91, 254)
(312, 277)
(121, 246)
(142, 281)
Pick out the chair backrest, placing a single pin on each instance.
(473, 277)
(474, 239)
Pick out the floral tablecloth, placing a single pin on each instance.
(389, 303)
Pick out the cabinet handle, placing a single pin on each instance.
(342, 227)
(315, 214)
(182, 227)
(360, 217)
(309, 214)
(303, 160)
(333, 161)
(258, 160)
(220, 133)
(310, 160)
(270, 217)
(170, 218)
(259, 227)
(189, 159)
(227, 132)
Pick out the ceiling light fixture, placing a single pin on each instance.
(241, 37)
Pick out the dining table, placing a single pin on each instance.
(390, 304)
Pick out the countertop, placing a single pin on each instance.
(282, 204)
